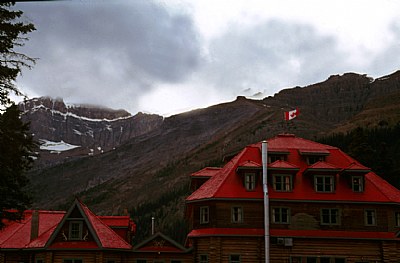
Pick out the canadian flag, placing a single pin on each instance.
(289, 115)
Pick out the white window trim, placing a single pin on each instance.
(332, 186)
(204, 210)
(240, 214)
(283, 176)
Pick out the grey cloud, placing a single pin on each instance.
(107, 52)
(271, 56)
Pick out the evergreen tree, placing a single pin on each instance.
(16, 148)
(15, 140)
(11, 62)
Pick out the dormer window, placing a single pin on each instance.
(311, 159)
(282, 182)
(276, 157)
(357, 184)
(250, 181)
(324, 183)
(75, 230)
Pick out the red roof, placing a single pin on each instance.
(206, 172)
(279, 164)
(292, 233)
(17, 235)
(250, 164)
(107, 237)
(227, 184)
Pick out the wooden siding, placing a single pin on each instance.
(251, 249)
(304, 215)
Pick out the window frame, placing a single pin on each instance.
(330, 216)
(324, 183)
(235, 260)
(280, 214)
(73, 260)
(204, 214)
(285, 186)
(71, 231)
(250, 181)
(360, 184)
(397, 218)
(311, 159)
(238, 213)
(366, 216)
(203, 260)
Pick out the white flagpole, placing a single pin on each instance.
(266, 199)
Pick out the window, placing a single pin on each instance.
(397, 218)
(313, 159)
(237, 215)
(324, 260)
(311, 260)
(280, 215)
(324, 183)
(72, 260)
(204, 215)
(370, 217)
(234, 259)
(39, 260)
(250, 181)
(203, 258)
(330, 216)
(75, 230)
(175, 261)
(357, 183)
(282, 182)
(276, 157)
(295, 259)
(141, 261)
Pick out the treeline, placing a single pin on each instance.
(168, 213)
(377, 148)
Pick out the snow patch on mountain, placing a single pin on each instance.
(56, 147)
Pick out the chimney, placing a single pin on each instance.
(35, 225)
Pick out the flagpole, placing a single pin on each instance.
(264, 160)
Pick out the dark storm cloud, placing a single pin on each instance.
(271, 56)
(103, 53)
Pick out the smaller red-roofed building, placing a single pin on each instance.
(324, 207)
(75, 236)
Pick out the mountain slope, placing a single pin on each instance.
(147, 166)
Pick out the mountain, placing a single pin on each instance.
(89, 130)
(150, 170)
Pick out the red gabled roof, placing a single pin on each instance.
(226, 184)
(250, 164)
(107, 237)
(206, 172)
(357, 167)
(17, 234)
(279, 164)
(160, 243)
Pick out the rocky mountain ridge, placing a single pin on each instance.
(93, 129)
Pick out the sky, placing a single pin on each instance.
(171, 56)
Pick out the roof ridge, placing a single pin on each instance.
(93, 215)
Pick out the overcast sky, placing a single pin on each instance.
(171, 56)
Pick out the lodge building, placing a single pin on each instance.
(324, 207)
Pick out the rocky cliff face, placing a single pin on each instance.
(93, 129)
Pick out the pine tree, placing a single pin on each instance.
(16, 148)
(12, 33)
(15, 140)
